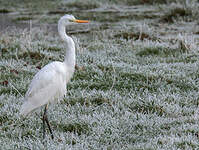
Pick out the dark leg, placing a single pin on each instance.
(44, 131)
(45, 118)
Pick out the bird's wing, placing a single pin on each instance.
(47, 85)
(47, 77)
(38, 99)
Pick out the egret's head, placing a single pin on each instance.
(66, 19)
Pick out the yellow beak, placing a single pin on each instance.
(81, 21)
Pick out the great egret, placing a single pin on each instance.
(49, 84)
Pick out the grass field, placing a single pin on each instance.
(136, 84)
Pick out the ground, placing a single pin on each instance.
(136, 80)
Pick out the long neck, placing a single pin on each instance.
(70, 47)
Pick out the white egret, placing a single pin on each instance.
(49, 84)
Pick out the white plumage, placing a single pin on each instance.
(49, 84)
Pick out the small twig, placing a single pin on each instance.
(38, 115)
(15, 89)
(140, 36)
(16, 54)
(113, 78)
(30, 34)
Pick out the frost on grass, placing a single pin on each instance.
(121, 96)
(185, 10)
(135, 86)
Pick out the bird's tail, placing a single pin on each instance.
(37, 100)
(26, 108)
(31, 104)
